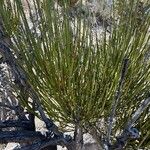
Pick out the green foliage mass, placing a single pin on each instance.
(75, 75)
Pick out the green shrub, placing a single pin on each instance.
(75, 75)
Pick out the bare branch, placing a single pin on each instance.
(138, 112)
(78, 137)
(20, 136)
(25, 124)
(117, 96)
(129, 131)
(43, 144)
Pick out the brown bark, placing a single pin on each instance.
(78, 137)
